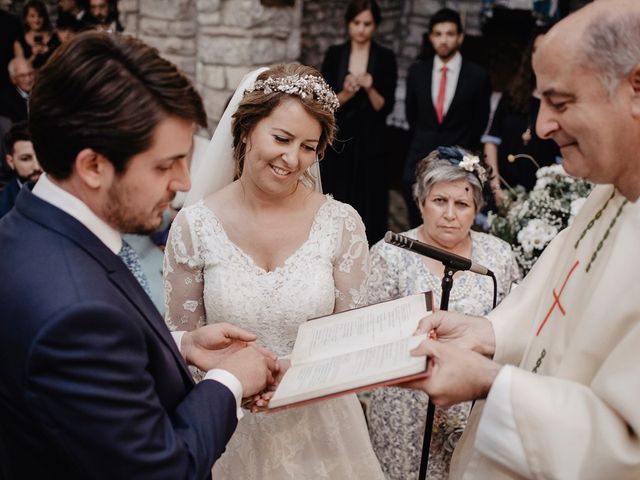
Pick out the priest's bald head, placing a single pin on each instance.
(588, 73)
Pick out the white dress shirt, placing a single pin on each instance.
(453, 73)
(51, 193)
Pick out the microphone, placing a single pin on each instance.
(448, 259)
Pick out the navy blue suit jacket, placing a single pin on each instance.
(8, 196)
(91, 382)
(464, 122)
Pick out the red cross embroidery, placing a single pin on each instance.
(556, 299)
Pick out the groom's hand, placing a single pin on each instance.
(254, 366)
(207, 346)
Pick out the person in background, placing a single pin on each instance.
(67, 27)
(23, 163)
(75, 8)
(364, 74)
(38, 42)
(554, 369)
(512, 148)
(448, 192)
(447, 100)
(12, 30)
(103, 15)
(14, 100)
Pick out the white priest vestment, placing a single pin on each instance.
(573, 328)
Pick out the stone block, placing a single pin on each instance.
(234, 75)
(425, 7)
(211, 76)
(167, 9)
(153, 27)
(186, 65)
(209, 18)
(224, 50)
(251, 13)
(207, 6)
(172, 45)
(125, 6)
(184, 28)
(265, 51)
(215, 102)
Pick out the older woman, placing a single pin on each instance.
(448, 192)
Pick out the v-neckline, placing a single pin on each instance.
(249, 259)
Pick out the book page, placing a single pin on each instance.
(357, 329)
(351, 370)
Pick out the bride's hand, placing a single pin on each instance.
(205, 347)
(260, 402)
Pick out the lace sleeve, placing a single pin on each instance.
(351, 262)
(183, 278)
(383, 284)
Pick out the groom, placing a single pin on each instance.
(92, 384)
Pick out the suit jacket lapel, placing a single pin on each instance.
(428, 98)
(460, 87)
(55, 219)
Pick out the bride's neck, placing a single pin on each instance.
(257, 200)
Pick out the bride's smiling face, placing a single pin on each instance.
(281, 147)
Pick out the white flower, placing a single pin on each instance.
(469, 162)
(536, 235)
(550, 171)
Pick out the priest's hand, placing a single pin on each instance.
(463, 331)
(207, 346)
(454, 374)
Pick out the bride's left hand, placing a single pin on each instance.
(206, 346)
(260, 402)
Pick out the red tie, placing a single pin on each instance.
(441, 95)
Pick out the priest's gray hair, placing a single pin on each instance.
(432, 169)
(612, 45)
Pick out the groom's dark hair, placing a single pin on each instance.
(106, 92)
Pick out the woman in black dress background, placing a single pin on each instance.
(364, 74)
(511, 142)
(38, 42)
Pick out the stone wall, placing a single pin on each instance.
(216, 42)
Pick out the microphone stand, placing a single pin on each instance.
(447, 283)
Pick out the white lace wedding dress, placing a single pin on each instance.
(209, 279)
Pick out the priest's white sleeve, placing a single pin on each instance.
(497, 436)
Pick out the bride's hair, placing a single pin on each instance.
(259, 103)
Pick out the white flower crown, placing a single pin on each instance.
(302, 86)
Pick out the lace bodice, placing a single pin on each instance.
(209, 279)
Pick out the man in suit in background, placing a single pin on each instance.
(14, 99)
(22, 160)
(92, 383)
(447, 100)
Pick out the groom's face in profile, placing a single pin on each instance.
(137, 197)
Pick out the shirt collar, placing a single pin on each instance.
(22, 93)
(73, 206)
(453, 65)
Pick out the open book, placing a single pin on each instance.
(354, 350)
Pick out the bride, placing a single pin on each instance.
(267, 251)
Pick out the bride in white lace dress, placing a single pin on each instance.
(268, 252)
